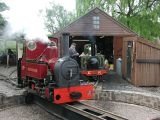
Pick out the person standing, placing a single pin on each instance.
(72, 51)
(10, 56)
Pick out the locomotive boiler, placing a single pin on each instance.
(45, 74)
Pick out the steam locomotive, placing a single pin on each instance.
(92, 63)
(53, 78)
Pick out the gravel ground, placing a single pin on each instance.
(129, 111)
(111, 82)
(7, 70)
(8, 90)
(32, 112)
(115, 82)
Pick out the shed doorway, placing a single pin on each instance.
(104, 45)
(129, 59)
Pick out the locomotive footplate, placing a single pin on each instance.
(94, 72)
(64, 95)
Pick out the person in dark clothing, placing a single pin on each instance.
(11, 59)
(10, 53)
(72, 51)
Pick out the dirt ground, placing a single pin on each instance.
(24, 112)
(129, 111)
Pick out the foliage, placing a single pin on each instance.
(83, 6)
(142, 16)
(3, 7)
(5, 44)
(57, 17)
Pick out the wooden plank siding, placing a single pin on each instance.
(108, 26)
(146, 62)
(117, 47)
(148, 71)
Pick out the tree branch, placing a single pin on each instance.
(150, 5)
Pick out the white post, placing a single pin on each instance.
(7, 60)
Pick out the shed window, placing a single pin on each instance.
(95, 20)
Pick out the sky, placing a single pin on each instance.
(41, 4)
(24, 16)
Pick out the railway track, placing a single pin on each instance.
(8, 78)
(76, 111)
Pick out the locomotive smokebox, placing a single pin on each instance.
(65, 44)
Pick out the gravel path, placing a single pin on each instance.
(32, 112)
(129, 111)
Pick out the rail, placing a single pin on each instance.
(76, 111)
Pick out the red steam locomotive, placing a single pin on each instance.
(57, 79)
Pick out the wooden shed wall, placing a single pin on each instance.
(145, 67)
(147, 64)
(117, 47)
(107, 26)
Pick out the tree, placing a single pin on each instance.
(141, 16)
(3, 7)
(57, 17)
(83, 6)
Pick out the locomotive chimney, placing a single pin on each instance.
(93, 49)
(65, 44)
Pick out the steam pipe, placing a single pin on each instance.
(65, 44)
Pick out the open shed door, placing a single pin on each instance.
(128, 57)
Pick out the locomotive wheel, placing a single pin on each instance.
(29, 98)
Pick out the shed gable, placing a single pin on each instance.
(97, 22)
